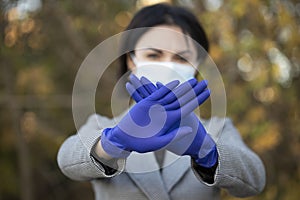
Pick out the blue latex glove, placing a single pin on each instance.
(146, 127)
(199, 145)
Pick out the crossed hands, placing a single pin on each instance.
(162, 118)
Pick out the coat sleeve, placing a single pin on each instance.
(239, 170)
(74, 156)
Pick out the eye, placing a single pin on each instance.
(152, 56)
(181, 59)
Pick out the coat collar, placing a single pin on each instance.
(144, 171)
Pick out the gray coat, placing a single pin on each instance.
(240, 171)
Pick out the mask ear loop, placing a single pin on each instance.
(133, 58)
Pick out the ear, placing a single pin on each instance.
(129, 62)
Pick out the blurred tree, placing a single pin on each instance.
(255, 44)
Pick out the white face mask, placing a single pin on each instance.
(163, 72)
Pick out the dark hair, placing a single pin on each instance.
(162, 14)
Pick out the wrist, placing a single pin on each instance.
(111, 148)
(109, 164)
(101, 152)
(207, 174)
(209, 160)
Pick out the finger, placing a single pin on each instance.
(150, 87)
(194, 88)
(190, 94)
(133, 93)
(130, 89)
(159, 84)
(138, 86)
(193, 104)
(179, 91)
(164, 90)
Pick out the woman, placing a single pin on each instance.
(116, 151)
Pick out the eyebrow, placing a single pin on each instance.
(184, 52)
(152, 49)
(160, 51)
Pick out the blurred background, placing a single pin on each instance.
(254, 43)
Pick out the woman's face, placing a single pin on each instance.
(165, 44)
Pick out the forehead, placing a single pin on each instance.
(167, 38)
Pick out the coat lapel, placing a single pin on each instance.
(143, 170)
(174, 168)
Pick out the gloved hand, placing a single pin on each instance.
(146, 127)
(199, 145)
